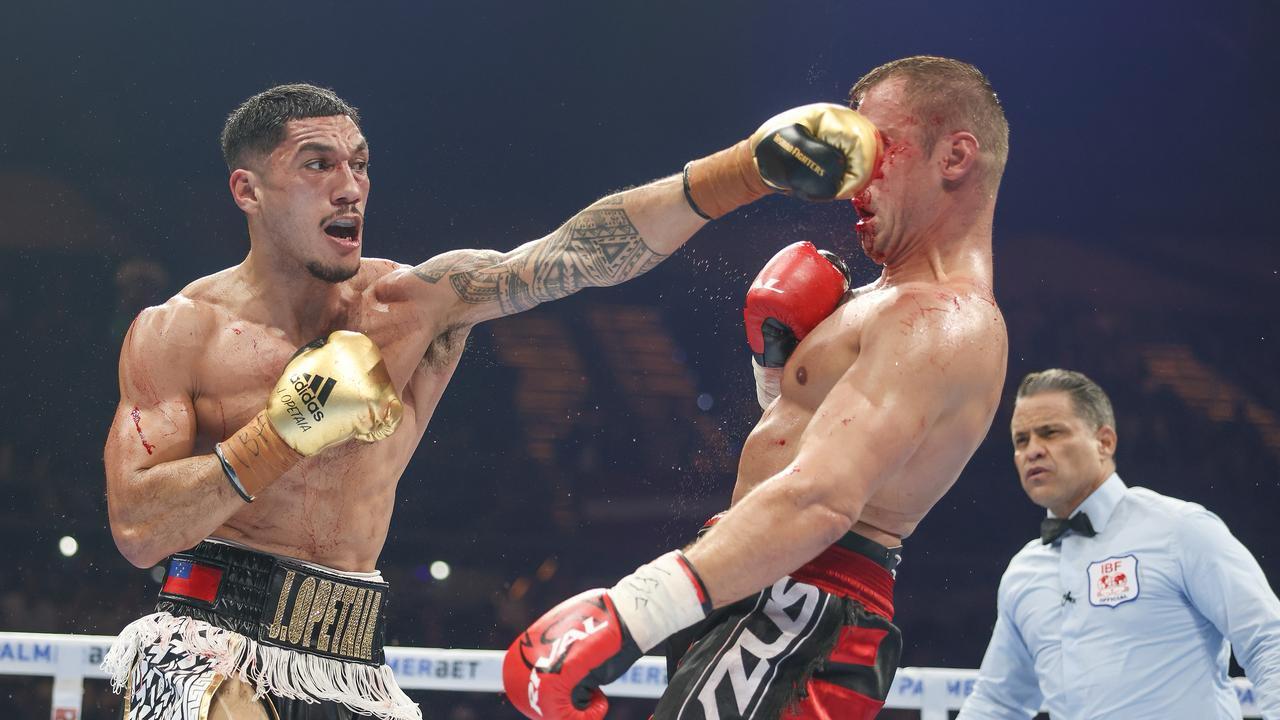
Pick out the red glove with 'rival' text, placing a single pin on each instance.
(554, 670)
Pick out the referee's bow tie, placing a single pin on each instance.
(1053, 528)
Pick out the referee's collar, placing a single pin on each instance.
(1101, 503)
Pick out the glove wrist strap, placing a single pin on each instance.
(255, 455)
(232, 476)
(718, 184)
(768, 382)
(660, 598)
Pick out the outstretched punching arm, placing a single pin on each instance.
(816, 152)
(615, 239)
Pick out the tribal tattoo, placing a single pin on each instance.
(597, 247)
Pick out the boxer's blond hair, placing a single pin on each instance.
(949, 95)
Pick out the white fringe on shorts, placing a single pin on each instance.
(284, 673)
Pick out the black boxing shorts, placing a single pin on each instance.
(818, 644)
(306, 638)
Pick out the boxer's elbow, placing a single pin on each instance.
(136, 544)
(139, 554)
(829, 510)
(829, 486)
(829, 521)
(134, 526)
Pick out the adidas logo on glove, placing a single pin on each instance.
(313, 392)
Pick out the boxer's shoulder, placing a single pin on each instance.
(950, 309)
(947, 331)
(180, 321)
(375, 272)
(393, 282)
(163, 344)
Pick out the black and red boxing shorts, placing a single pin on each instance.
(817, 644)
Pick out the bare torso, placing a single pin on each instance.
(973, 338)
(333, 508)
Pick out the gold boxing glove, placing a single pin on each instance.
(821, 151)
(333, 390)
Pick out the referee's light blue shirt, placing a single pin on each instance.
(1136, 622)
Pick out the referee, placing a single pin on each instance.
(1129, 603)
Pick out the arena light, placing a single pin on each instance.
(68, 546)
(705, 401)
(440, 570)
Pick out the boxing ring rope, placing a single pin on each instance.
(69, 659)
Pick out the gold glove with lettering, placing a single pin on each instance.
(815, 152)
(333, 390)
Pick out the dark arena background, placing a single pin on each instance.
(1135, 240)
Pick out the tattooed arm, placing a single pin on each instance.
(615, 239)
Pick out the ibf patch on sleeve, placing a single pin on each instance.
(1113, 581)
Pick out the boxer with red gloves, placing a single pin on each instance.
(795, 291)
(882, 403)
(819, 151)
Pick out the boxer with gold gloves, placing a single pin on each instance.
(783, 608)
(272, 604)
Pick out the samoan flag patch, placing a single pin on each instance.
(1113, 581)
(192, 579)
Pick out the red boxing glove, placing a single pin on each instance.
(554, 670)
(794, 292)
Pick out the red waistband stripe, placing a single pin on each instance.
(847, 572)
(853, 575)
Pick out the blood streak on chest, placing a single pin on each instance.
(136, 414)
(222, 413)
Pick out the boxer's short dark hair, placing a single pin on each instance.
(256, 127)
(1089, 400)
